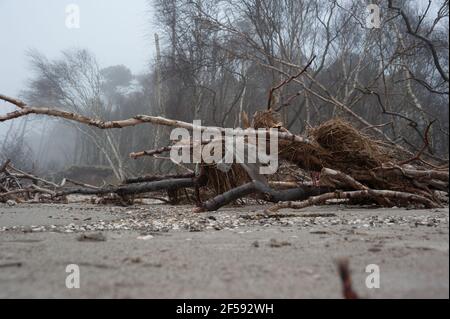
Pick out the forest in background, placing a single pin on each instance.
(218, 60)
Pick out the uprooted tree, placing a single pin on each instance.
(335, 161)
(366, 123)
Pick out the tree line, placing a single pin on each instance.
(217, 61)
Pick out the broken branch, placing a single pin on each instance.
(287, 81)
(370, 193)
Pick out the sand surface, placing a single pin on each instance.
(160, 251)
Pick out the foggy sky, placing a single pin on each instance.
(116, 31)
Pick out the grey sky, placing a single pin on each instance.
(116, 31)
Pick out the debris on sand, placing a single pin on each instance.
(273, 243)
(345, 275)
(91, 237)
(145, 237)
(9, 265)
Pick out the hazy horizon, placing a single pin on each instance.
(122, 36)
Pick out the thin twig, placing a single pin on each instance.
(287, 81)
(424, 147)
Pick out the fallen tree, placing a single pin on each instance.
(352, 166)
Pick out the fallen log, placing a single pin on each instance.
(268, 193)
(134, 189)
